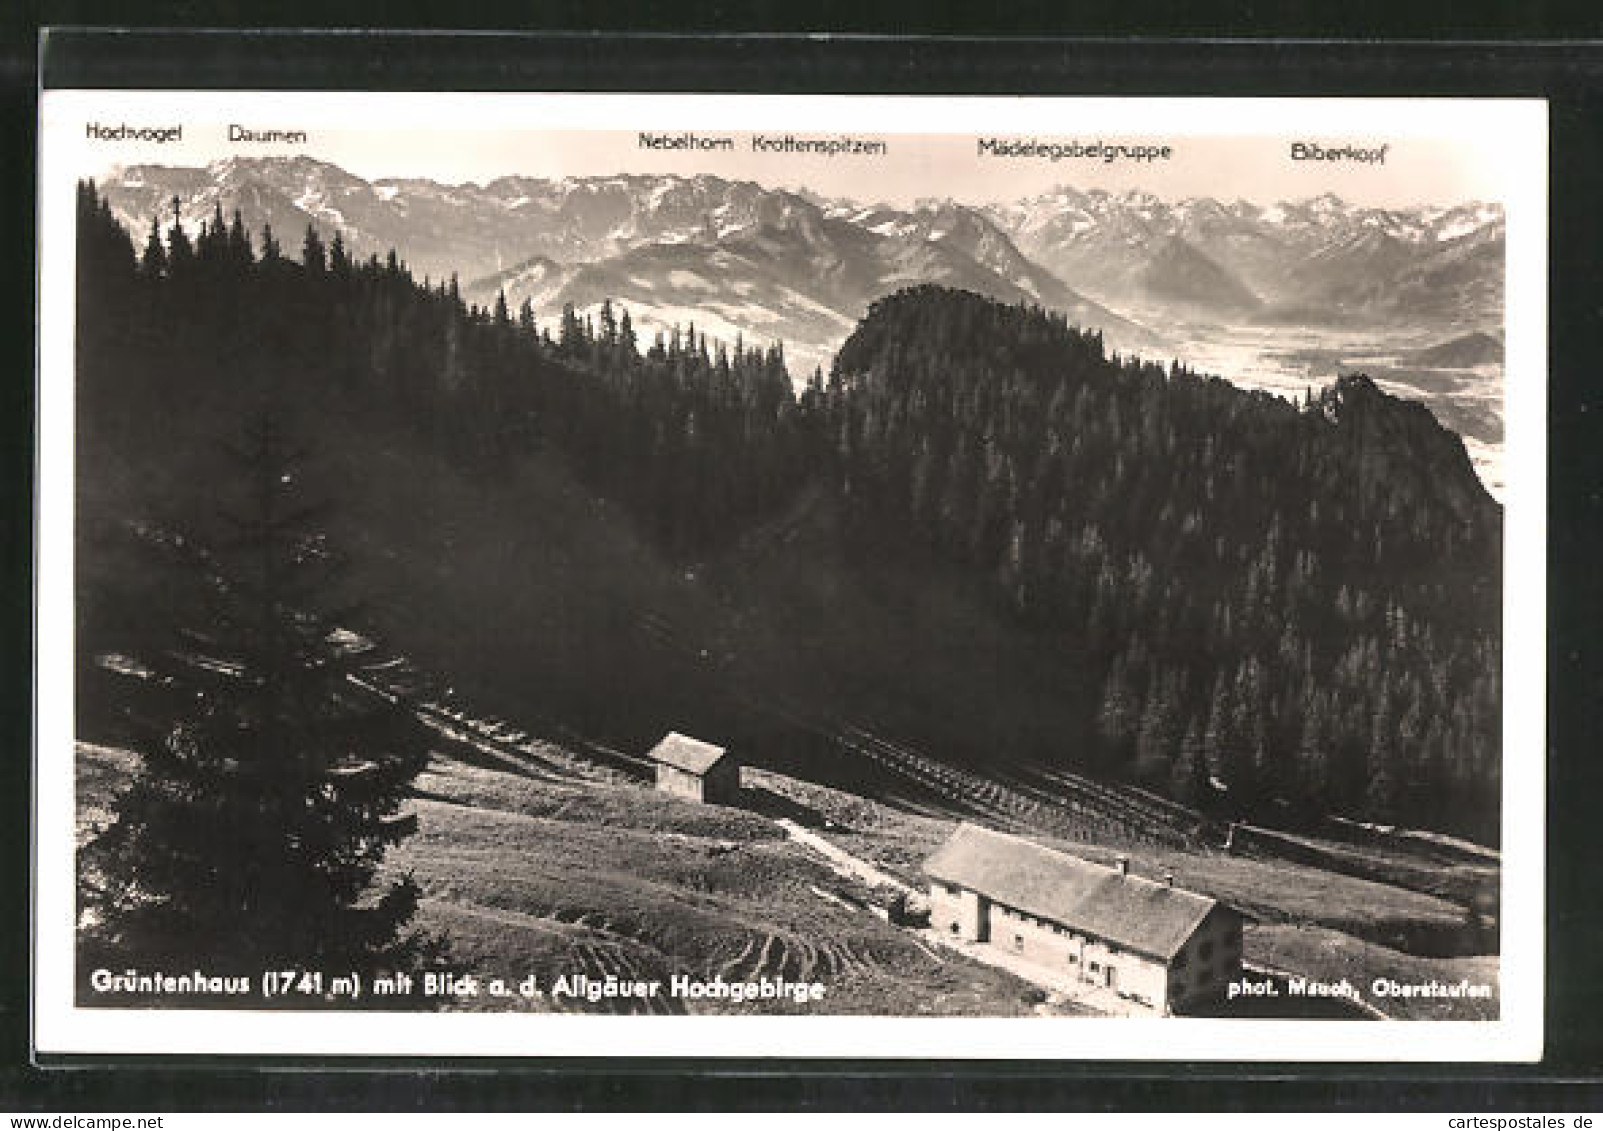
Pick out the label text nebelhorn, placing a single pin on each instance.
(686, 140)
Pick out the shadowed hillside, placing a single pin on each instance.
(984, 539)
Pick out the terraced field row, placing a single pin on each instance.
(1079, 809)
(1061, 803)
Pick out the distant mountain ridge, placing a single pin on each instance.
(1320, 260)
(739, 259)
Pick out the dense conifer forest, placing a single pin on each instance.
(1289, 610)
(1298, 603)
(696, 439)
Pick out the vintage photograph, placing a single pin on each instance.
(1046, 570)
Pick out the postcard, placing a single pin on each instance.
(687, 575)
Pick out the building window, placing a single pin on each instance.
(1018, 942)
(1074, 959)
(1096, 968)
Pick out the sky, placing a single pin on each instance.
(1438, 152)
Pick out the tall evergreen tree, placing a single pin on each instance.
(313, 256)
(339, 263)
(1188, 777)
(271, 252)
(272, 779)
(154, 261)
(180, 252)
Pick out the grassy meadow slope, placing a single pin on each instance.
(550, 869)
(549, 865)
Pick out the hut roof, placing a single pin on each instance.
(685, 753)
(1144, 916)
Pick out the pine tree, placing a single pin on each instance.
(1188, 777)
(180, 252)
(272, 780)
(271, 252)
(239, 249)
(626, 335)
(154, 262)
(313, 256)
(339, 263)
(1156, 739)
(1117, 718)
(1381, 786)
(213, 243)
(571, 337)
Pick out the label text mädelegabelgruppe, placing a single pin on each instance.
(1054, 151)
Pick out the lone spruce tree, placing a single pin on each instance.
(272, 777)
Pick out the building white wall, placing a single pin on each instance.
(959, 912)
(720, 786)
(678, 782)
(1055, 946)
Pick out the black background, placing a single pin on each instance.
(1174, 56)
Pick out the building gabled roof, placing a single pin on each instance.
(1144, 916)
(688, 754)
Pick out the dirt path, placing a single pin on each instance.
(840, 861)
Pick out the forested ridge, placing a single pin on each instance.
(696, 439)
(1286, 609)
(1299, 602)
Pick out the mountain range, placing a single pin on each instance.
(737, 258)
(1320, 261)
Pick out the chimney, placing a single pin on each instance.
(1123, 863)
(1168, 879)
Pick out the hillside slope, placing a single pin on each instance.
(971, 542)
(539, 863)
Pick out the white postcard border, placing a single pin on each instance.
(1520, 126)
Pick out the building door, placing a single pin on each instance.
(1110, 974)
